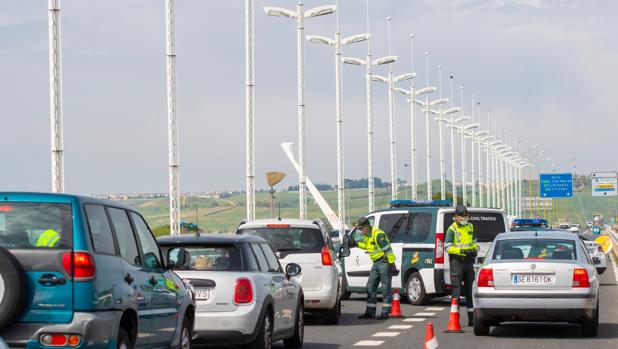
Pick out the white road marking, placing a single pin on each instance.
(414, 319)
(435, 308)
(400, 327)
(425, 314)
(368, 343)
(386, 334)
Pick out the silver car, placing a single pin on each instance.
(537, 276)
(242, 294)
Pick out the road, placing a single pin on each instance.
(410, 332)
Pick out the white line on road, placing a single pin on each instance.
(425, 314)
(400, 327)
(386, 334)
(368, 343)
(414, 319)
(435, 308)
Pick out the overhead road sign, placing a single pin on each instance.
(609, 174)
(604, 183)
(556, 185)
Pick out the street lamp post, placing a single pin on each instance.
(300, 15)
(337, 43)
(472, 151)
(478, 141)
(250, 109)
(55, 97)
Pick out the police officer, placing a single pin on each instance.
(375, 242)
(460, 243)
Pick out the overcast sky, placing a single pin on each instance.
(547, 69)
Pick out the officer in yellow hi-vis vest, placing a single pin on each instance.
(48, 238)
(460, 243)
(377, 245)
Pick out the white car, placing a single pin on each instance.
(242, 295)
(595, 251)
(308, 244)
(537, 276)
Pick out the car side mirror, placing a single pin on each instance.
(596, 260)
(344, 252)
(292, 270)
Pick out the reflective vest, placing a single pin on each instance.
(463, 239)
(48, 239)
(370, 244)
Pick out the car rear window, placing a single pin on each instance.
(30, 225)
(289, 240)
(208, 258)
(535, 249)
(486, 224)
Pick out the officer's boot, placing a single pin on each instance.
(370, 313)
(386, 314)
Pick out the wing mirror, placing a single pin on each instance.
(292, 270)
(596, 260)
(344, 251)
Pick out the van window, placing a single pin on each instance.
(125, 237)
(100, 230)
(289, 240)
(486, 224)
(34, 225)
(407, 228)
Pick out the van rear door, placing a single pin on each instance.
(38, 231)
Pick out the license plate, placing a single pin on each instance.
(202, 294)
(534, 279)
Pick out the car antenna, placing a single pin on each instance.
(279, 211)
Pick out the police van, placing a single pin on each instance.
(417, 230)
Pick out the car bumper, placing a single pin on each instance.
(323, 299)
(98, 330)
(493, 315)
(227, 327)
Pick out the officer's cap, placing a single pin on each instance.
(461, 210)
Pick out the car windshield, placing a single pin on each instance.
(29, 225)
(289, 239)
(535, 249)
(207, 258)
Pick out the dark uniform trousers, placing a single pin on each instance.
(462, 270)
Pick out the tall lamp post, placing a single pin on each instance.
(250, 109)
(337, 43)
(55, 97)
(477, 137)
(299, 16)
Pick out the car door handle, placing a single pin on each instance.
(51, 280)
(129, 279)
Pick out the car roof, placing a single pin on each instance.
(42, 197)
(440, 209)
(304, 223)
(182, 239)
(552, 234)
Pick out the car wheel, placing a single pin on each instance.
(333, 315)
(185, 335)
(264, 339)
(480, 328)
(296, 341)
(346, 294)
(13, 288)
(415, 290)
(123, 341)
(589, 329)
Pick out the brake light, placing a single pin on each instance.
(580, 278)
(6, 208)
(79, 265)
(326, 257)
(60, 340)
(486, 278)
(243, 291)
(439, 249)
(277, 225)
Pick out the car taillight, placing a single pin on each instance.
(439, 249)
(60, 340)
(580, 278)
(79, 265)
(243, 291)
(486, 278)
(326, 257)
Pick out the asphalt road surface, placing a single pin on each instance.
(410, 331)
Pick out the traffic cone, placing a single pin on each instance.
(396, 309)
(453, 320)
(430, 339)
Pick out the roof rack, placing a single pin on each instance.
(421, 203)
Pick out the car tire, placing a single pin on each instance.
(332, 316)
(124, 340)
(296, 341)
(346, 294)
(480, 328)
(185, 334)
(415, 290)
(13, 288)
(264, 338)
(590, 329)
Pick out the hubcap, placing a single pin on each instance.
(267, 338)
(414, 289)
(185, 341)
(1, 289)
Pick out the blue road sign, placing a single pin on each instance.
(596, 230)
(556, 185)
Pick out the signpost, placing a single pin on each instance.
(556, 185)
(604, 183)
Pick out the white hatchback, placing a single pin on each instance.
(308, 244)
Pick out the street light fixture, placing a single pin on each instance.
(300, 15)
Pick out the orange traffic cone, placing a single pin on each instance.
(396, 309)
(430, 339)
(453, 320)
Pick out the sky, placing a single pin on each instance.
(546, 69)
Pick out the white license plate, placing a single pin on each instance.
(534, 279)
(202, 294)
